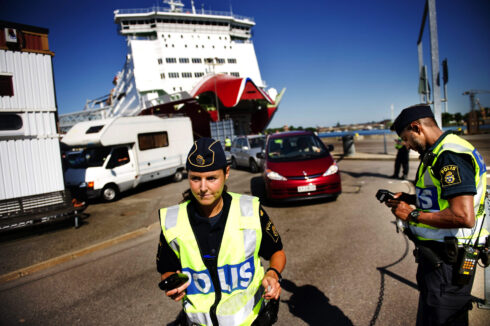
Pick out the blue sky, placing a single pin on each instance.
(341, 61)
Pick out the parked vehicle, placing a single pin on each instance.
(299, 166)
(32, 190)
(118, 154)
(244, 151)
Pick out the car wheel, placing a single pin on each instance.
(233, 163)
(109, 193)
(254, 168)
(178, 176)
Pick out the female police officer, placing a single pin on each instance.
(216, 237)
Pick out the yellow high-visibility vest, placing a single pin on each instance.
(428, 192)
(240, 271)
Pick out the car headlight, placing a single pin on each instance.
(331, 170)
(274, 175)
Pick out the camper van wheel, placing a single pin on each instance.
(109, 193)
(178, 176)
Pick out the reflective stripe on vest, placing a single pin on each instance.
(239, 269)
(428, 191)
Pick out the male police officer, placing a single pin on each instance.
(450, 193)
(216, 238)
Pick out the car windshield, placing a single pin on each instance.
(89, 157)
(291, 148)
(257, 142)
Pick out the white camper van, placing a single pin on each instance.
(114, 155)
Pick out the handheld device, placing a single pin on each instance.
(173, 281)
(383, 195)
(467, 265)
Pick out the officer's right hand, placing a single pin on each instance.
(178, 293)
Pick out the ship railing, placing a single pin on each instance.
(157, 9)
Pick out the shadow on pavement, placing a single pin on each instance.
(312, 306)
(366, 174)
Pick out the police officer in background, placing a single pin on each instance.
(449, 209)
(401, 159)
(216, 238)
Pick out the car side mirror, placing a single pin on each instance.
(260, 155)
(330, 147)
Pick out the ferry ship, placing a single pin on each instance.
(192, 62)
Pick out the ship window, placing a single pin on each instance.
(171, 60)
(198, 74)
(220, 60)
(168, 35)
(209, 38)
(185, 45)
(173, 45)
(173, 75)
(10, 121)
(125, 23)
(220, 37)
(231, 60)
(162, 76)
(184, 60)
(187, 75)
(166, 45)
(196, 60)
(208, 60)
(6, 85)
(181, 36)
(197, 46)
(152, 140)
(160, 61)
(236, 74)
(213, 46)
(202, 46)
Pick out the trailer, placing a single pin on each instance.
(32, 189)
(107, 157)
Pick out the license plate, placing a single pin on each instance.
(306, 188)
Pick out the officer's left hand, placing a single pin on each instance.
(399, 208)
(271, 286)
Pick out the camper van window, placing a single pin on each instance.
(94, 129)
(90, 157)
(152, 140)
(10, 122)
(120, 156)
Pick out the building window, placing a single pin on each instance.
(187, 75)
(162, 75)
(160, 61)
(173, 75)
(6, 85)
(231, 60)
(236, 74)
(152, 140)
(184, 60)
(171, 60)
(10, 121)
(198, 74)
(196, 60)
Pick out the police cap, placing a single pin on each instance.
(206, 155)
(410, 114)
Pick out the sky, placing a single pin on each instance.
(340, 61)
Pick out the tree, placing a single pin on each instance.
(446, 118)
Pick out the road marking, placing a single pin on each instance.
(75, 254)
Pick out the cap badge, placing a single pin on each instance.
(200, 160)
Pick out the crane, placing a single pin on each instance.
(472, 93)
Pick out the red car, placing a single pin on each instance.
(299, 166)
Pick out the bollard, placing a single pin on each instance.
(348, 144)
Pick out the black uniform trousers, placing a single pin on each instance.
(401, 160)
(441, 302)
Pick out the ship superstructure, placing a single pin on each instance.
(171, 52)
